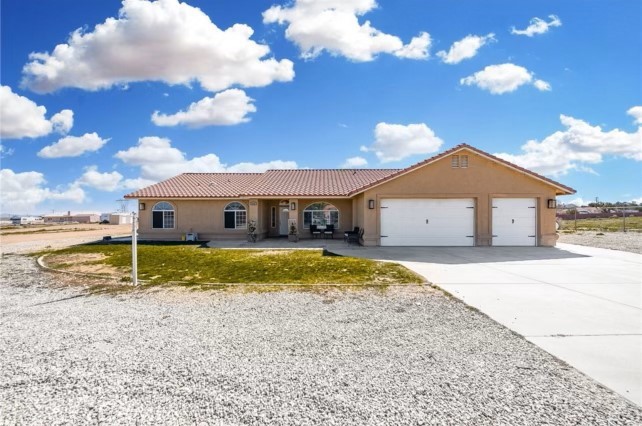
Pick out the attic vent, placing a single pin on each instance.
(459, 161)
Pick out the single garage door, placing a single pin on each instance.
(427, 222)
(514, 221)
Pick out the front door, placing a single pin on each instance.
(283, 221)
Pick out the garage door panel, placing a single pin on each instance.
(427, 222)
(514, 221)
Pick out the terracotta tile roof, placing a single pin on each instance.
(301, 182)
(199, 185)
(565, 190)
(324, 182)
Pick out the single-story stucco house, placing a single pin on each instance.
(461, 197)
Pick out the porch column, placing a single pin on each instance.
(294, 214)
(253, 213)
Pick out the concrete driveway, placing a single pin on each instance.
(581, 304)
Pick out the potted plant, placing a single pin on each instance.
(251, 231)
(293, 234)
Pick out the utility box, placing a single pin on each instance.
(191, 236)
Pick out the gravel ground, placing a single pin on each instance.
(624, 241)
(406, 355)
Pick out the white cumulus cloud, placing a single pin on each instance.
(108, 181)
(333, 26)
(73, 146)
(63, 121)
(418, 48)
(20, 117)
(224, 109)
(538, 26)
(542, 85)
(576, 147)
(465, 48)
(394, 142)
(354, 162)
(636, 112)
(503, 78)
(164, 40)
(159, 160)
(22, 192)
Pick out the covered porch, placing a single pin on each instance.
(276, 218)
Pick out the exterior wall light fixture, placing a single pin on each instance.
(552, 204)
(371, 204)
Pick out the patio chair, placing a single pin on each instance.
(355, 238)
(329, 231)
(348, 233)
(315, 231)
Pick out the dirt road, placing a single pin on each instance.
(28, 239)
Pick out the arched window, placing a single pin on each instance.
(163, 215)
(235, 216)
(320, 214)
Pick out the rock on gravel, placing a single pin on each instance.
(623, 241)
(406, 355)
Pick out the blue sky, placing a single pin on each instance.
(139, 91)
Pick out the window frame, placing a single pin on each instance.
(238, 213)
(324, 212)
(168, 215)
(273, 216)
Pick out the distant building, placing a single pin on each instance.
(120, 218)
(27, 220)
(69, 217)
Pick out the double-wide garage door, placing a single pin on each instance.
(428, 222)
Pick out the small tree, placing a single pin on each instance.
(251, 231)
(293, 234)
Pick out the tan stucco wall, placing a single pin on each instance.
(202, 216)
(483, 180)
(205, 217)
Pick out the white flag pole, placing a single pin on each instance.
(134, 249)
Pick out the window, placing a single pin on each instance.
(463, 161)
(235, 216)
(273, 217)
(320, 214)
(163, 215)
(454, 161)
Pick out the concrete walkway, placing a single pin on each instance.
(581, 304)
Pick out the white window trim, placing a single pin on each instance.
(236, 215)
(172, 211)
(337, 223)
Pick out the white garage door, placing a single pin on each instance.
(427, 222)
(514, 221)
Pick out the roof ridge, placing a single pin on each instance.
(220, 173)
(327, 170)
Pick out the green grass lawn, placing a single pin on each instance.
(191, 264)
(610, 224)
